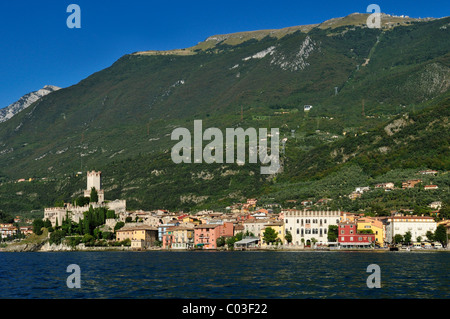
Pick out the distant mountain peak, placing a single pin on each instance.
(25, 101)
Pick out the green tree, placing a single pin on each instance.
(220, 241)
(407, 238)
(444, 212)
(440, 235)
(47, 223)
(81, 201)
(38, 224)
(288, 236)
(57, 236)
(107, 235)
(119, 225)
(430, 235)
(94, 195)
(270, 235)
(333, 233)
(398, 239)
(231, 240)
(110, 214)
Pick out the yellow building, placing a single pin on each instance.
(179, 237)
(279, 229)
(190, 219)
(141, 237)
(377, 227)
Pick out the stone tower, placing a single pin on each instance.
(94, 179)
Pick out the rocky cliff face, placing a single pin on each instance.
(25, 101)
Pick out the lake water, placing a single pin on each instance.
(217, 275)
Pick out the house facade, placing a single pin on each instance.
(178, 237)
(141, 237)
(206, 235)
(376, 226)
(417, 225)
(304, 225)
(350, 237)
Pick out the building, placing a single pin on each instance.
(254, 226)
(163, 228)
(206, 235)
(350, 237)
(239, 228)
(278, 227)
(376, 226)
(178, 237)
(417, 225)
(7, 230)
(436, 205)
(411, 183)
(305, 225)
(354, 195)
(307, 108)
(385, 186)
(141, 236)
(428, 187)
(428, 172)
(247, 243)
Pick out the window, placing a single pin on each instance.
(342, 231)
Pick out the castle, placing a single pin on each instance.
(75, 213)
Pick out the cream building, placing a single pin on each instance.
(306, 225)
(417, 225)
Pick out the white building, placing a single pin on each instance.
(254, 226)
(304, 224)
(417, 225)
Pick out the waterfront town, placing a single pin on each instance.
(244, 226)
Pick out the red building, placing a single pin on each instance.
(206, 235)
(349, 237)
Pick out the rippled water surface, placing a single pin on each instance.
(237, 275)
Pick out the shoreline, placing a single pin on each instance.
(129, 249)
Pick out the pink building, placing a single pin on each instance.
(206, 235)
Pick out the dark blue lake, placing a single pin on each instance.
(217, 275)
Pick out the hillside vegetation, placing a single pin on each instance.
(380, 103)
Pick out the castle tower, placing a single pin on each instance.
(94, 179)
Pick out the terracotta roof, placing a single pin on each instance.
(141, 227)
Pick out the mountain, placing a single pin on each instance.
(120, 120)
(25, 101)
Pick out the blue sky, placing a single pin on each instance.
(37, 47)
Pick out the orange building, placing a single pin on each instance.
(206, 235)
